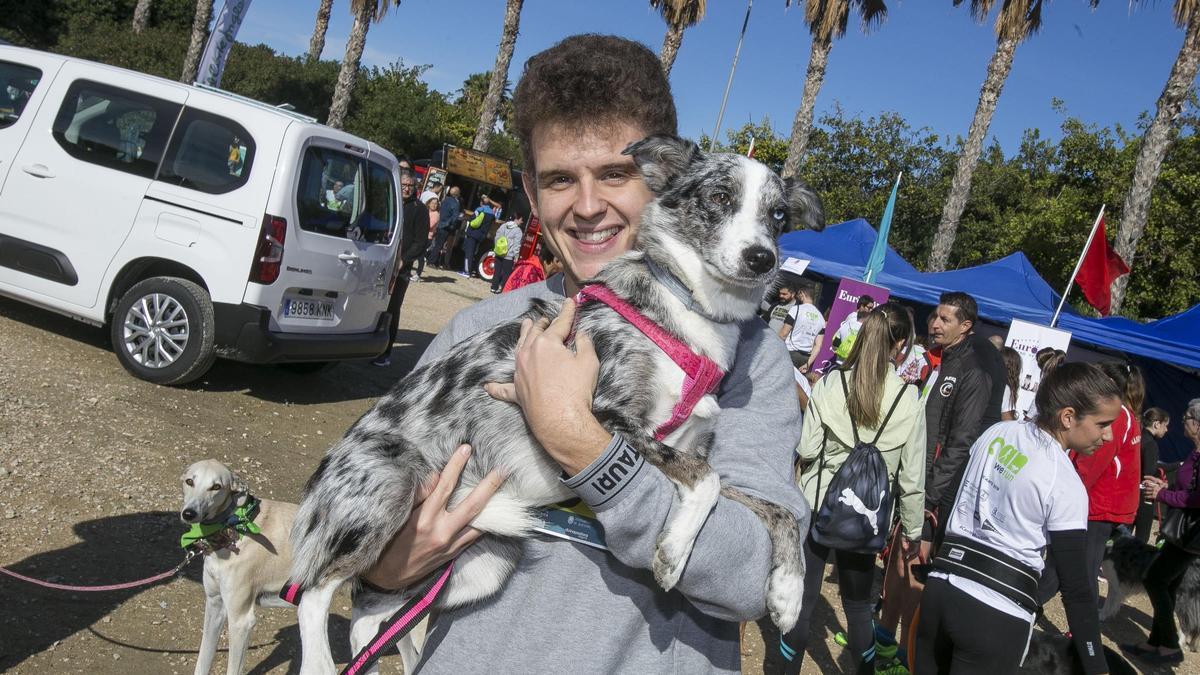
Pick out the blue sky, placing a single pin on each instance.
(925, 62)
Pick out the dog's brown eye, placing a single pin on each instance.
(216, 486)
(190, 482)
(721, 198)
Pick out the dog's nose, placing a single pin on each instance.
(759, 259)
(189, 514)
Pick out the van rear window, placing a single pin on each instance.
(342, 195)
(17, 83)
(208, 153)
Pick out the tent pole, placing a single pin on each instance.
(1078, 264)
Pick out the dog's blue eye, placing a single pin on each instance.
(778, 214)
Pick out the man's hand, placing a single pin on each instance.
(434, 535)
(554, 387)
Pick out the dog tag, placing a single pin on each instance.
(573, 521)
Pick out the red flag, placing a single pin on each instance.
(1101, 266)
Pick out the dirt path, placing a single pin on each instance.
(89, 464)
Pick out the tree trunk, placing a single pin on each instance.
(348, 75)
(141, 16)
(960, 186)
(818, 58)
(671, 42)
(491, 103)
(317, 44)
(191, 64)
(1154, 148)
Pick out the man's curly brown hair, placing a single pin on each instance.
(592, 79)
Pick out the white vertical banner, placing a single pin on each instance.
(220, 41)
(1027, 339)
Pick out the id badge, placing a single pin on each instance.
(574, 521)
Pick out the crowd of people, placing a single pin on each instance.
(979, 512)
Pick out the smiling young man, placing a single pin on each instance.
(594, 607)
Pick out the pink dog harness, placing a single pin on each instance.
(701, 374)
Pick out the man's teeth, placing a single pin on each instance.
(596, 236)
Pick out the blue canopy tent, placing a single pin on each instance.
(1011, 288)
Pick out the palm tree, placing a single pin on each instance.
(679, 15)
(141, 16)
(826, 21)
(491, 103)
(1017, 20)
(1156, 140)
(191, 64)
(317, 44)
(365, 12)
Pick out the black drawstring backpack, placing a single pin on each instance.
(856, 513)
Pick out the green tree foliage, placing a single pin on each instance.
(1041, 200)
(40, 23)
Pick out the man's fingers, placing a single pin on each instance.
(427, 487)
(465, 537)
(449, 476)
(526, 326)
(469, 508)
(501, 391)
(561, 327)
(584, 346)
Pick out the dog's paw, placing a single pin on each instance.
(669, 559)
(785, 591)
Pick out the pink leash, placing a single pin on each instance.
(701, 374)
(400, 624)
(192, 553)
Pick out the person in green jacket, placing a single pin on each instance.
(873, 385)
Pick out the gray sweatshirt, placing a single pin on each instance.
(572, 608)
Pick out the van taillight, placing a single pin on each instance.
(269, 254)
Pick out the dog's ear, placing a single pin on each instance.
(804, 206)
(237, 485)
(661, 158)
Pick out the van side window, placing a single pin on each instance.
(208, 153)
(346, 196)
(17, 83)
(113, 127)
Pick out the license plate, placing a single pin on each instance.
(307, 309)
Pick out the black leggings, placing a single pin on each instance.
(1162, 585)
(856, 573)
(957, 634)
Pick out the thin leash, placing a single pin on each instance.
(191, 555)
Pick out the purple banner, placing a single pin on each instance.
(845, 303)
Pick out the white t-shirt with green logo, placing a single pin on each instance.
(1018, 486)
(807, 322)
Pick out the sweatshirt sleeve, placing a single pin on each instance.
(813, 430)
(911, 475)
(755, 438)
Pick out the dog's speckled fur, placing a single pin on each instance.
(711, 214)
(1125, 564)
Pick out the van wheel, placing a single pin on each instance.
(487, 266)
(162, 330)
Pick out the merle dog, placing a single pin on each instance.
(1124, 567)
(713, 226)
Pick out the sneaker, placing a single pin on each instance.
(382, 362)
(495, 291)
(464, 275)
(416, 278)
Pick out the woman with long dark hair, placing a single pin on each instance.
(850, 403)
(1012, 384)
(1166, 572)
(1020, 495)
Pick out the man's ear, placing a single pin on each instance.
(530, 183)
(661, 158)
(804, 206)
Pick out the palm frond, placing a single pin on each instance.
(1185, 11)
(872, 12)
(685, 13)
(377, 8)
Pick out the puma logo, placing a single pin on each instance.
(850, 499)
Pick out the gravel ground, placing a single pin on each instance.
(89, 464)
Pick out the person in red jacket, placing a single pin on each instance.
(1112, 476)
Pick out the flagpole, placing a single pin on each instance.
(1067, 290)
(712, 142)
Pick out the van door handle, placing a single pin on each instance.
(39, 170)
(348, 258)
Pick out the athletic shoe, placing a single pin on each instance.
(464, 275)
(382, 362)
(495, 291)
(416, 278)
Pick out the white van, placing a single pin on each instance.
(193, 222)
